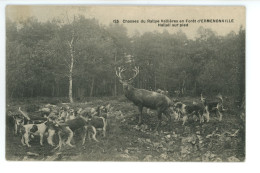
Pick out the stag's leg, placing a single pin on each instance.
(159, 115)
(158, 123)
(167, 114)
(140, 115)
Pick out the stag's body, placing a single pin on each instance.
(144, 98)
(148, 99)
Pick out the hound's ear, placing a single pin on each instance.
(34, 128)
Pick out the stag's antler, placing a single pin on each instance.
(120, 70)
(118, 73)
(136, 70)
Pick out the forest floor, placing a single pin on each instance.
(125, 141)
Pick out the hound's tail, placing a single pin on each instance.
(24, 114)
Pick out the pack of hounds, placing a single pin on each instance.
(198, 111)
(64, 121)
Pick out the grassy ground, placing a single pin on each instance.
(212, 141)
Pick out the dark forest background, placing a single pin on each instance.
(38, 60)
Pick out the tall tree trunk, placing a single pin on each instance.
(71, 45)
(53, 91)
(115, 88)
(195, 91)
(183, 86)
(23, 91)
(92, 87)
(12, 92)
(58, 90)
(31, 92)
(70, 87)
(41, 92)
(81, 93)
(155, 82)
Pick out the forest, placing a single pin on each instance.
(49, 64)
(39, 59)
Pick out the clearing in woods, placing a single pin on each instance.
(212, 141)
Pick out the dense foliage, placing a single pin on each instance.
(38, 56)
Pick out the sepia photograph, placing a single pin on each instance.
(125, 83)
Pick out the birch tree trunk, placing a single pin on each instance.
(70, 89)
(71, 45)
(115, 87)
(70, 76)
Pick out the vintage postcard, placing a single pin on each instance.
(125, 83)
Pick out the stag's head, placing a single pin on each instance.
(126, 82)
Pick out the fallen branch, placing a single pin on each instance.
(222, 134)
(234, 134)
(100, 148)
(32, 154)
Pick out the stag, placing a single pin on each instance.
(144, 98)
